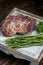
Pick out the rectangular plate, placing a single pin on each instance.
(23, 53)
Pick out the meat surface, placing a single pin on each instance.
(17, 24)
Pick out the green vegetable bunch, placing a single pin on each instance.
(40, 27)
(25, 41)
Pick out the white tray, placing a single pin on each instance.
(33, 52)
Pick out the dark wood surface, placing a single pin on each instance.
(7, 5)
(10, 60)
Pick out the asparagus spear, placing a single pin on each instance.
(25, 41)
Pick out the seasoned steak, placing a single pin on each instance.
(17, 24)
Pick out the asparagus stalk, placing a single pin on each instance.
(25, 41)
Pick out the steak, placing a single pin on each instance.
(17, 24)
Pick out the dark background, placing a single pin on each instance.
(33, 6)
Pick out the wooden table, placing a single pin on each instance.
(7, 5)
(10, 60)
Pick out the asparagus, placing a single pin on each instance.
(25, 41)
